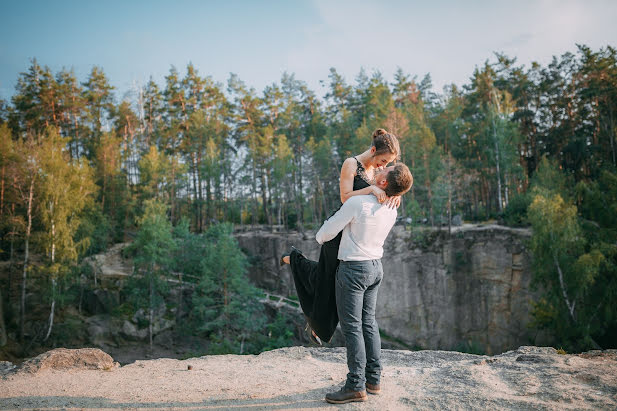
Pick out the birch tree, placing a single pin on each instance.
(65, 189)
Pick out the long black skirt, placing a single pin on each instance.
(315, 282)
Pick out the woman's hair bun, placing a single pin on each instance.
(379, 132)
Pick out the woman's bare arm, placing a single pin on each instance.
(346, 183)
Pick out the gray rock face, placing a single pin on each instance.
(469, 291)
(103, 330)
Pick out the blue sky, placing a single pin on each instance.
(259, 40)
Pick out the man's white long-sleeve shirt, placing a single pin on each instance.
(365, 224)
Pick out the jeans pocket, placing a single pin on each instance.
(353, 275)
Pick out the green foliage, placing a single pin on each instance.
(578, 276)
(225, 305)
(96, 228)
(189, 250)
(125, 309)
(413, 210)
(64, 191)
(154, 242)
(152, 250)
(226, 308)
(550, 180)
(279, 333)
(515, 213)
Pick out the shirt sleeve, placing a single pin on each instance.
(335, 224)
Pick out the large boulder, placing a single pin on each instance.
(66, 359)
(131, 332)
(134, 329)
(103, 330)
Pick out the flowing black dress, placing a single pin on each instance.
(315, 279)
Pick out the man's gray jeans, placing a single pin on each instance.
(357, 283)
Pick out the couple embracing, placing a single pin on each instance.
(342, 285)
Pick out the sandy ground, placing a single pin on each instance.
(299, 378)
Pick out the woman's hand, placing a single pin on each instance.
(393, 202)
(379, 193)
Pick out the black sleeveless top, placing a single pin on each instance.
(360, 180)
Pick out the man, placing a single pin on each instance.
(365, 224)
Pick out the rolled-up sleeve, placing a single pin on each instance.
(335, 224)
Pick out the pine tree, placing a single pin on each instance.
(226, 306)
(153, 249)
(98, 94)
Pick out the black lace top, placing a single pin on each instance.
(360, 180)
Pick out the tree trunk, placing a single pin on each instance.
(173, 187)
(53, 279)
(298, 199)
(104, 191)
(195, 197)
(571, 305)
(428, 188)
(53, 306)
(301, 198)
(264, 198)
(505, 189)
(200, 195)
(22, 314)
(254, 217)
(499, 201)
(271, 207)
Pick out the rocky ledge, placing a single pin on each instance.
(299, 377)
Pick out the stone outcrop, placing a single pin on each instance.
(299, 378)
(67, 359)
(111, 264)
(468, 291)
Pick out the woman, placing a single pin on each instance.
(314, 280)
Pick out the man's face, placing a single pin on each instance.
(381, 178)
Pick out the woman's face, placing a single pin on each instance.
(382, 160)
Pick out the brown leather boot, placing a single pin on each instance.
(343, 396)
(373, 388)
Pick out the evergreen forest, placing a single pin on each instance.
(174, 167)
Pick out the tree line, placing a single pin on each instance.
(78, 166)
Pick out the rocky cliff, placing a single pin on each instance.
(299, 377)
(468, 291)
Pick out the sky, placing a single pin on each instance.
(133, 40)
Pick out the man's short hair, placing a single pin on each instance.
(399, 180)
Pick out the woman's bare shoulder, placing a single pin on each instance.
(349, 166)
(350, 162)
